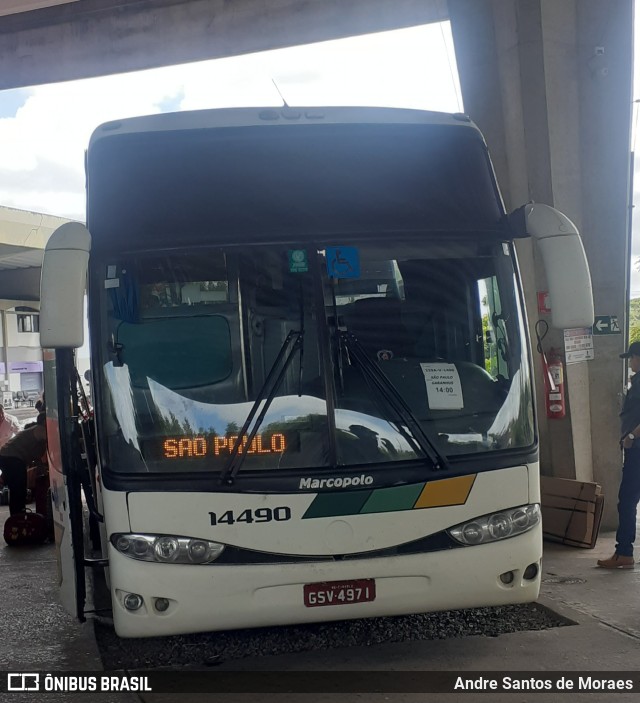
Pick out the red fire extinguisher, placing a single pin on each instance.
(554, 385)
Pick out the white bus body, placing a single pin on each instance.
(311, 381)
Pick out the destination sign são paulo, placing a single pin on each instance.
(185, 447)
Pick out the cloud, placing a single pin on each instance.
(42, 147)
(57, 187)
(11, 100)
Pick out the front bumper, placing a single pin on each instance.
(221, 597)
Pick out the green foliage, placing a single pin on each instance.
(489, 359)
(634, 320)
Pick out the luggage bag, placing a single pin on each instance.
(25, 528)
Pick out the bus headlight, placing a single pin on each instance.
(202, 551)
(167, 548)
(497, 526)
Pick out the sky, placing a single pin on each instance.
(45, 130)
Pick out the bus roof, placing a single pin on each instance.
(256, 116)
(287, 175)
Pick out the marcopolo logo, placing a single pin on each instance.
(336, 482)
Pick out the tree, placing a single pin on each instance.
(634, 320)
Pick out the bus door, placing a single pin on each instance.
(62, 288)
(66, 468)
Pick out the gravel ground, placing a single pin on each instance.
(209, 649)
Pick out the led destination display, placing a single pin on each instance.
(186, 447)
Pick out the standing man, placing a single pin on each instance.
(9, 426)
(629, 493)
(16, 456)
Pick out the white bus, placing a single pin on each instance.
(311, 377)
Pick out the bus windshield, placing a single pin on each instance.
(193, 336)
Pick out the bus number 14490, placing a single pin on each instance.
(280, 514)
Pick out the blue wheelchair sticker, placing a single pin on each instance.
(343, 262)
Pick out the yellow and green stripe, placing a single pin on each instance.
(416, 496)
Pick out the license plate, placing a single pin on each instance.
(339, 592)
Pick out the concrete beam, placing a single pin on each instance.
(20, 284)
(23, 228)
(100, 37)
(23, 237)
(12, 7)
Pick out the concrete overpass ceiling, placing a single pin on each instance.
(19, 285)
(70, 40)
(23, 236)
(18, 257)
(12, 7)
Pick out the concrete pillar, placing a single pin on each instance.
(549, 84)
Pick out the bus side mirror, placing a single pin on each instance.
(62, 287)
(565, 263)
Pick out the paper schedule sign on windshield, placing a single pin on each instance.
(444, 391)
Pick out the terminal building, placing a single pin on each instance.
(23, 236)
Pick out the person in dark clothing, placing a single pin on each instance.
(629, 493)
(16, 455)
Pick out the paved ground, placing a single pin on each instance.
(37, 634)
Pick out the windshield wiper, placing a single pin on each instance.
(268, 391)
(377, 379)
